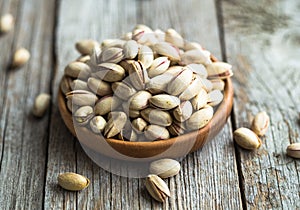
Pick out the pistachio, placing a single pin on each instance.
(134, 113)
(183, 111)
(95, 58)
(78, 70)
(195, 56)
(111, 55)
(72, 107)
(110, 72)
(174, 38)
(192, 46)
(176, 128)
(139, 124)
(192, 90)
(83, 115)
(73, 181)
(200, 100)
(260, 123)
(246, 138)
(218, 84)
(156, 132)
(160, 35)
(206, 84)
(139, 100)
(107, 43)
(137, 75)
(165, 168)
(180, 82)
(164, 101)
(106, 104)
(159, 66)
(131, 49)
(82, 97)
(6, 23)
(157, 117)
(293, 150)
(157, 188)
(86, 46)
(21, 56)
(84, 58)
(200, 118)
(99, 87)
(97, 124)
(220, 70)
(166, 49)
(198, 69)
(214, 97)
(65, 85)
(159, 83)
(78, 84)
(123, 90)
(128, 135)
(41, 104)
(127, 36)
(143, 27)
(145, 56)
(115, 124)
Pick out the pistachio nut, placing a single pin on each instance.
(214, 97)
(143, 27)
(106, 104)
(145, 56)
(293, 150)
(107, 43)
(176, 128)
(139, 124)
(78, 84)
(192, 90)
(183, 111)
(198, 69)
(200, 100)
(97, 124)
(160, 35)
(115, 124)
(78, 70)
(246, 138)
(156, 132)
(180, 82)
(164, 101)
(159, 66)
(137, 74)
(218, 84)
(127, 36)
(130, 49)
(219, 70)
(82, 97)
(86, 46)
(73, 181)
(134, 113)
(139, 100)
(111, 55)
(110, 72)
(95, 58)
(165, 168)
(206, 84)
(84, 58)
(41, 104)
(83, 115)
(166, 49)
(158, 84)
(6, 23)
(21, 57)
(65, 84)
(200, 118)
(174, 38)
(99, 87)
(123, 90)
(157, 188)
(129, 135)
(260, 123)
(192, 46)
(157, 117)
(195, 56)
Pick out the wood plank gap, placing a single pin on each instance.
(220, 22)
(3, 140)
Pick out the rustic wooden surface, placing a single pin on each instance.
(260, 38)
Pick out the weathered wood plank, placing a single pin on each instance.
(262, 42)
(23, 138)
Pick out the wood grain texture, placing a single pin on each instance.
(262, 42)
(23, 138)
(208, 178)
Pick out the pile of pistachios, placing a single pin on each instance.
(148, 85)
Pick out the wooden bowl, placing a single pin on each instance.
(145, 151)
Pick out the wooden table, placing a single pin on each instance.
(260, 38)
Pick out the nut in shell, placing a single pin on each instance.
(99, 87)
(78, 70)
(246, 138)
(219, 70)
(165, 168)
(83, 115)
(82, 97)
(174, 38)
(164, 101)
(156, 132)
(86, 46)
(115, 124)
(200, 118)
(139, 100)
(159, 66)
(195, 56)
(131, 49)
(123, 90)
(183, 111)
(166, 49)
(260, 123)
(6, 23)
(110, 72)
(106, 104)
(111, 55)
(214, 97)
(145, 56)
(97, 124)
(137, 74)
(139, 124)
(157, 188)
(41, 104)
(180, 82)
(157, 117)
(293, 150)
(72, 181)
(21, 57)
(177, 128)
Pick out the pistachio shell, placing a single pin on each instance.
(107, 43)
(246, 138)
(84, 58)
(131, 49)
(78, 70)
(99, 87)
(219, 70)
(166, 49)
(106, 104)
(165, 168)
(111, 55)
(65, 84)
(123, 90)
(97, 124)
(159, 66)
(183, 111)
(137, 74)
(192, 90)
(192, 46)
(157, 117)
(82, 97)
(41, 104)
(200, 118)
(20, 58)
(159, 83)
(86, 46)
(6, 23)
(73, 181)
(110, 72)
(200, 100)
(156, 132)
(139, 100)
(180, 82)
(164, 101)
(83, 115)
(218, 84)
(115, 124)
(176, 128)
(78, 84)
(293, 150)
(196, 56)
(174, 38)
(198, 69)
(214, 97)
(157, 188)
(260, 123)
(145, 55)
(139, 124)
